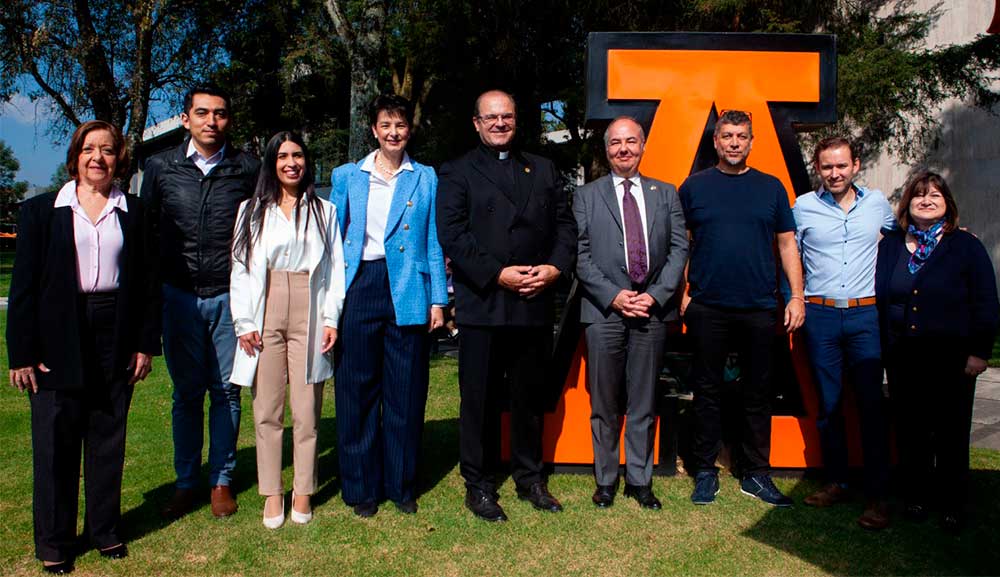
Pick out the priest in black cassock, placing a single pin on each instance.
(505, 222)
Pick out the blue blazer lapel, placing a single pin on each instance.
(405, 187)
(357, 202)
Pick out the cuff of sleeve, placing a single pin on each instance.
(244, 326)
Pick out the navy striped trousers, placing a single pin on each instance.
(381, 390)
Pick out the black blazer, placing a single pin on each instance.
(483, 226)
(42, 325)
(954, 296)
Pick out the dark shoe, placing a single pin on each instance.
(223, 503)
(180, 504)
(706, 487)
(61, 568)
(762, 487)
(830, 494)
(539, 497)
(604, 496)
(644, 496)
(952, 522)
(366, 510)
(876, 516)
(407, 507)
(119, 551)
(484, 505)
(916, 513)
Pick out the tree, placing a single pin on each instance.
(360, 26)
(106, 59)
(11, 191)
(59, 178)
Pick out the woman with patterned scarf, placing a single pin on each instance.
(938, 310)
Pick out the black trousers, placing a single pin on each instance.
(92, 418)
(495, 365)
(932, 403)
(714, 333)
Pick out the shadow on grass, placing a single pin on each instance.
(819, 536)
(439, 456)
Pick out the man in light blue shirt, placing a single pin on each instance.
(838, 228)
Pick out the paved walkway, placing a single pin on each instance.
(986, 410)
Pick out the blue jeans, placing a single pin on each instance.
(839, 342)
(199, 344)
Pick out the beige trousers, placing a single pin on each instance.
(285, 337)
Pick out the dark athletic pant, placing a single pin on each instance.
(714, 332)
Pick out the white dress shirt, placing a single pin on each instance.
(98, 244)
(636, 191)
(380, 192)
(283, 242)
(204, 164)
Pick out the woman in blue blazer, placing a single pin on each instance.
(938, 310)
(396, 295)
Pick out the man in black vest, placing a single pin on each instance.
(505, 222)
(192, 194)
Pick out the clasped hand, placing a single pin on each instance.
(632, 304)
(527, 281)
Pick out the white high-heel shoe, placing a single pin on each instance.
(278, 520)
(300, 518)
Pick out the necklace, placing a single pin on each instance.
(383, 167)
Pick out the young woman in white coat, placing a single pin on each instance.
(286, 292)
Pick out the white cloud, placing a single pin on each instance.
(22, 110)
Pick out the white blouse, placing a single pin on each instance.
(283, 242)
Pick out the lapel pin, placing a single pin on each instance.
(527, 169)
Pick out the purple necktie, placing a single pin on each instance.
(634, 235)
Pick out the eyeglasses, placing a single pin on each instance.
(493, 118)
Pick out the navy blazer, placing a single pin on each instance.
(42, 325)
(954, 294)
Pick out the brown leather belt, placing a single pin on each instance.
(841, 303)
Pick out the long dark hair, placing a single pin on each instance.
(268, 192)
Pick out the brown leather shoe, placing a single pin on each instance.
(223, 503)
(830, 494)
(876, 516)
(180, 504)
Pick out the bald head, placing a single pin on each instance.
(624, 143)
(495, 119)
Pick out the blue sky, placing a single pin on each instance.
(24, 127)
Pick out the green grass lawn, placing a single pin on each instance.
(737, 535)
(6, 266)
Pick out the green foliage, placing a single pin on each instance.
(11, 191)
(59, 178)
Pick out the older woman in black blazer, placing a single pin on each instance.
(938, 310)
(83, 324)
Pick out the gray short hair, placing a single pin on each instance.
(734, 117)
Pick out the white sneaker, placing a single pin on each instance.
(278, 520)
(300, 518)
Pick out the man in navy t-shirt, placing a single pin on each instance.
(734, 216)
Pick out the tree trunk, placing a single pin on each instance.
(365, 46)
(141, 80)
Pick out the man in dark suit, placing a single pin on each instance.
(631, 250)
(504, 221)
